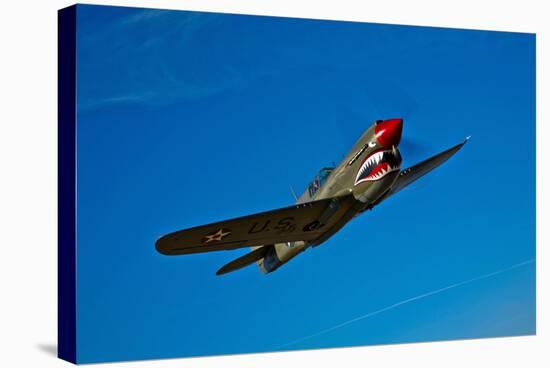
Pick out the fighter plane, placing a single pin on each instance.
(370, 174)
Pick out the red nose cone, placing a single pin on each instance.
(388, 132)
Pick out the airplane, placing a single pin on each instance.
(370, 174)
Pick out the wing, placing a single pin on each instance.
(305, 221)
(413, 173)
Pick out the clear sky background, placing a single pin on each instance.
(188, 118)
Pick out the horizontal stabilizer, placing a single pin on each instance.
(244, 261)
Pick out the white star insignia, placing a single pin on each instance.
(216, 236)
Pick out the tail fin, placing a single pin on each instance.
(243, 261)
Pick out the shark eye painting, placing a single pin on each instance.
(182, 138)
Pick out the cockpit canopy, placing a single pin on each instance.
(318, 181)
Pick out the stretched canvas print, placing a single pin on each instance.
(237, 184)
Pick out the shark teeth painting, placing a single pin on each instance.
(377, 165)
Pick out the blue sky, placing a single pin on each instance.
(188, 118)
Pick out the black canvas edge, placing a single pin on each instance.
(66, 187)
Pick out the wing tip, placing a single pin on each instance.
(462, 144)
(162, 245)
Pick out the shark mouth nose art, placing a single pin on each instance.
(378, 164)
